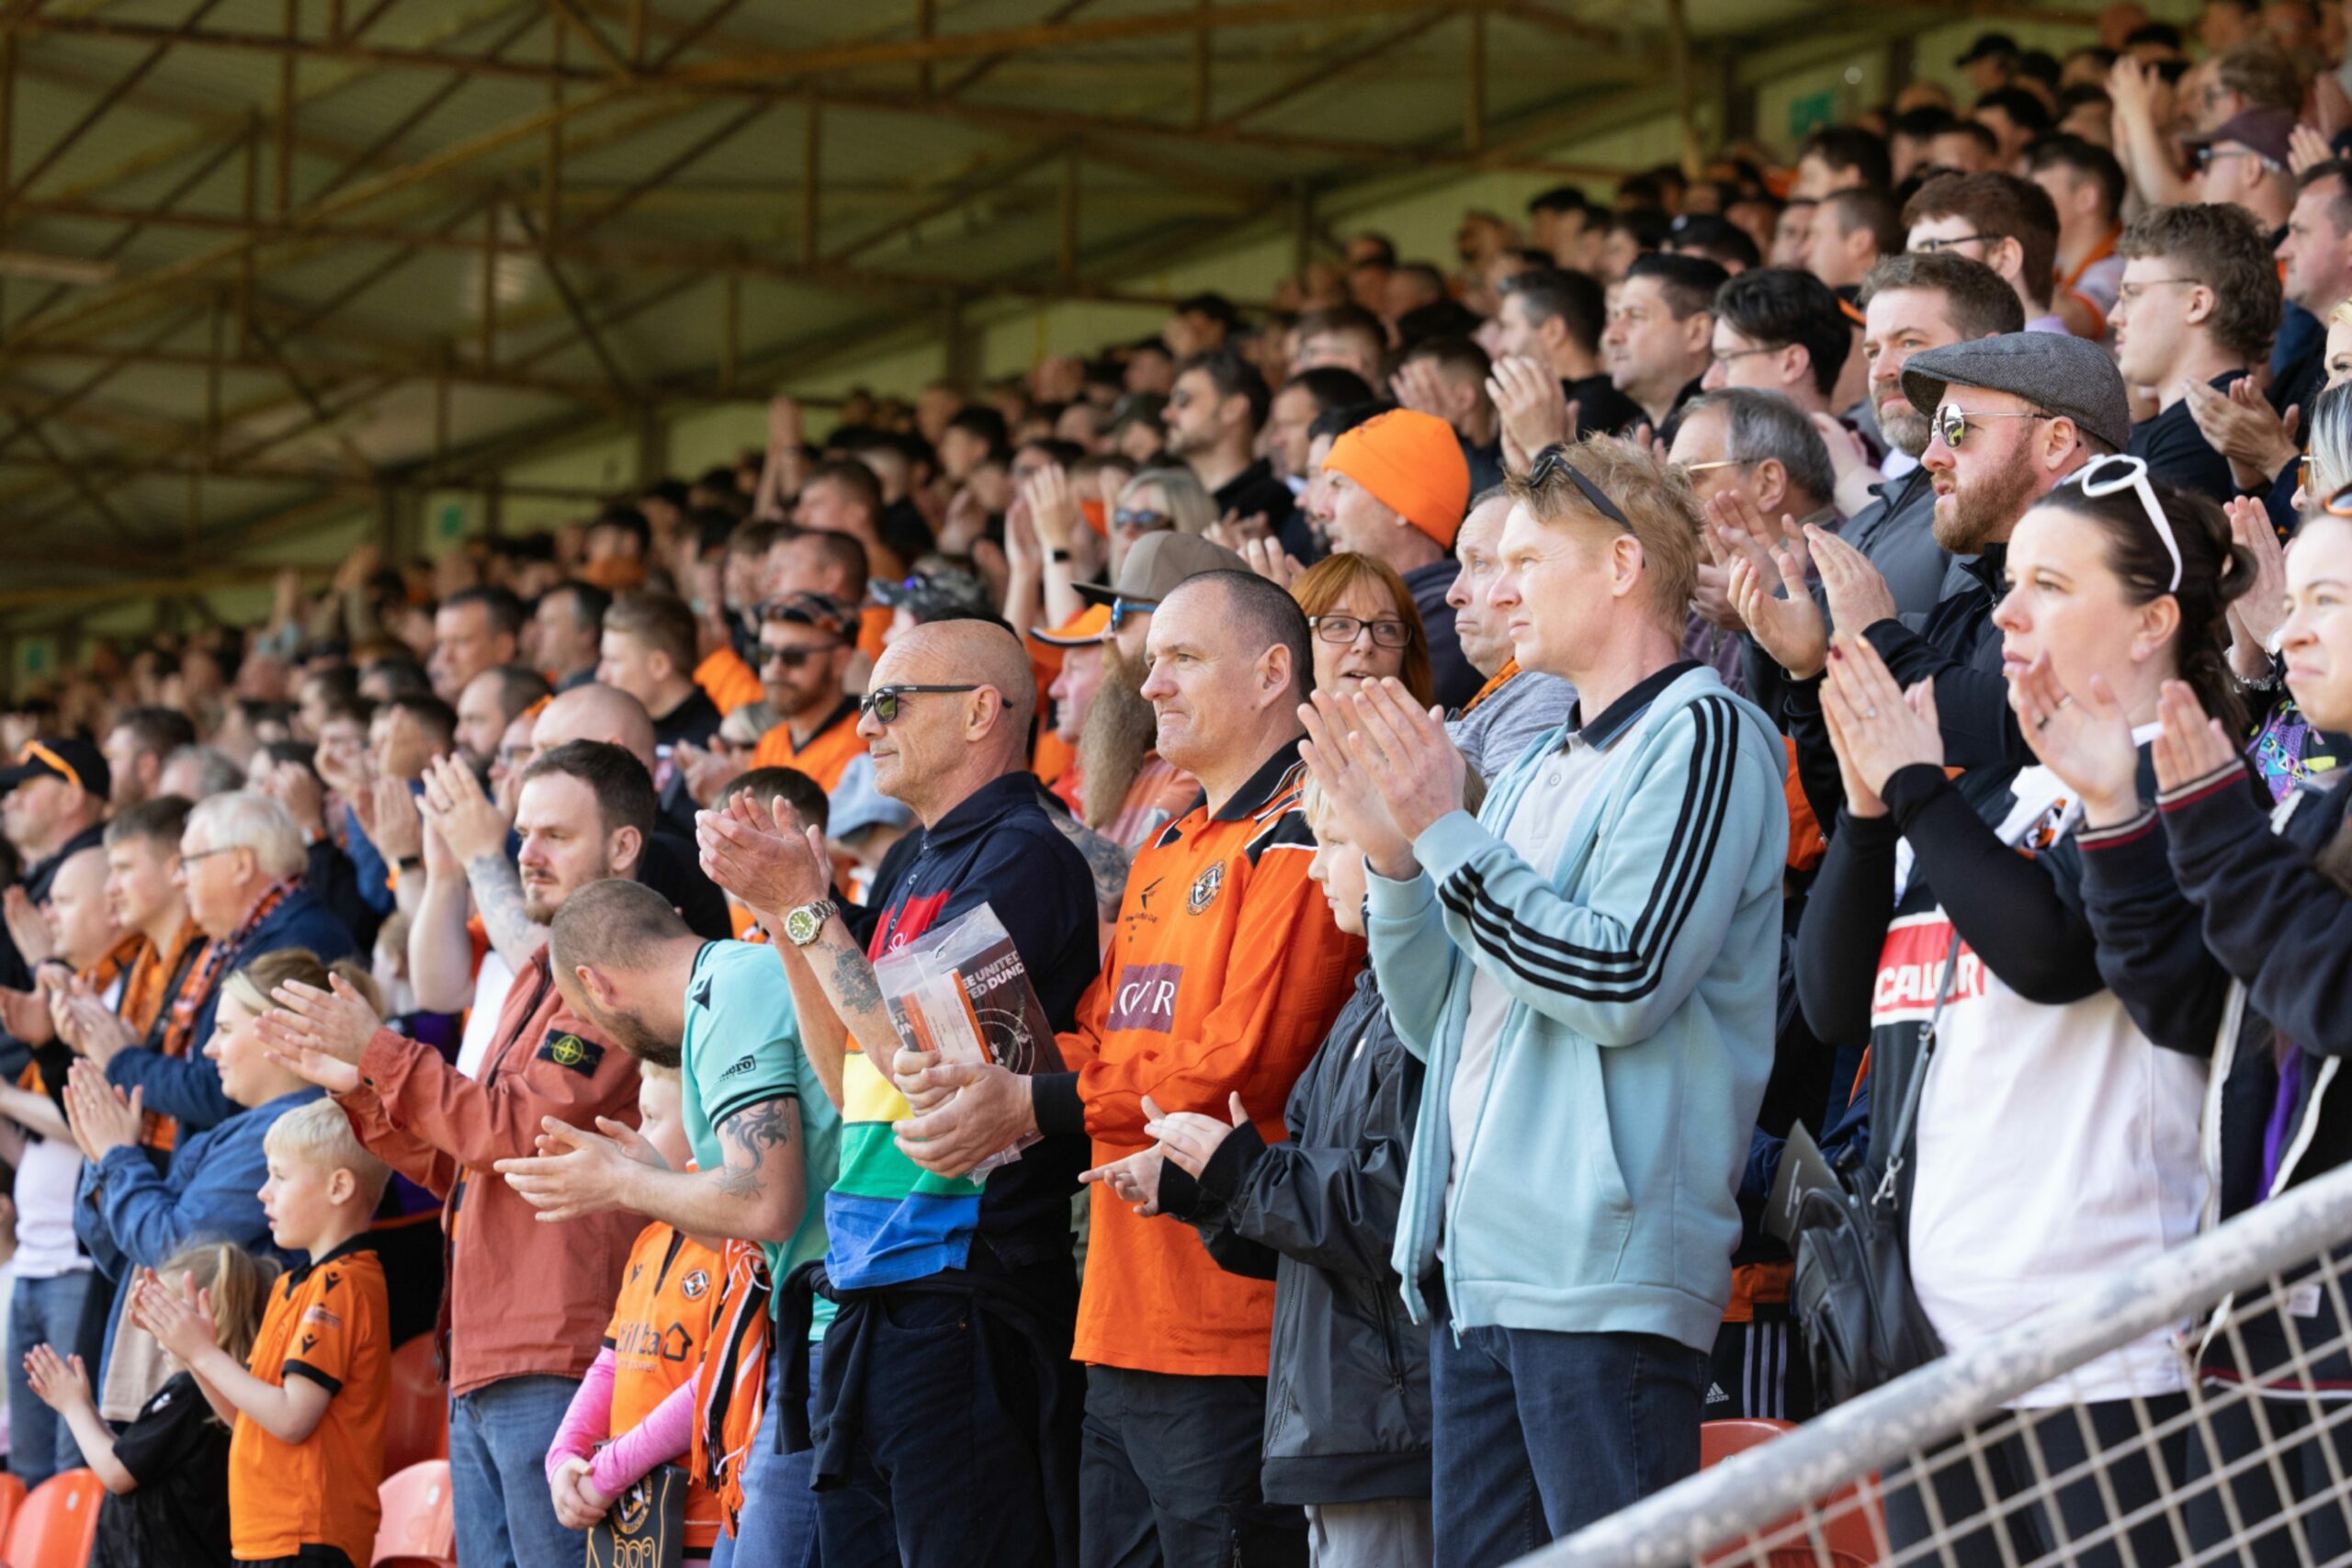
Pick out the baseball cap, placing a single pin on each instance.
(818, 610)
(1158, 563)
(857, 802)
(2269, 132)
(60, 757)
(1988, 46)
(2054, 371)
(1092, 624)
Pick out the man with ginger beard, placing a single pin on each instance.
(1120, 785)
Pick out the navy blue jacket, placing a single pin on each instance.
(998, 846)
(188, 1087)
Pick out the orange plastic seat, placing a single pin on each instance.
(1848, 1533)
(419, 1529)
(12, 1497)
(416, 1423)
(57, 1524)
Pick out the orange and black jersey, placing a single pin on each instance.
(659, 1330)
(1222, 976)
(327, 1322)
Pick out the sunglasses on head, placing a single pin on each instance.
(883, 702)
(1122, 608)
(1553, 462)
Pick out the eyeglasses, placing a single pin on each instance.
(2340, 505)
(1122, 608)
(1553, 462)
(793, 657)
(1951, 421)
(1130, 521)
(884, 702)
(1930, 247)
(1718, 463)
(2304, 476)
(2104, 475)
(1346, 629)
(187, 859)
(2127, 293)
(1742, 354)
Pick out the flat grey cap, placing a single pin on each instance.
(2056, 372)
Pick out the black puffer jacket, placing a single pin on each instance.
(1347, 1396)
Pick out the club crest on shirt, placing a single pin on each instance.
(694, 1284)
(1205, 888)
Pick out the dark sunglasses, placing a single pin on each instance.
(793, 657)
(1951, 421)
(884, 702)
(1135, 522)
(1553, 462)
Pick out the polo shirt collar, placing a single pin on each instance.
(1612, 721)
(984, 807)
(1251, 797)
(363, 1242)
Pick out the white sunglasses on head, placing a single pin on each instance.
(2104, 475)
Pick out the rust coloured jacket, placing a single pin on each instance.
(524, 1298)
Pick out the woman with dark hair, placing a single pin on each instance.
(2228, 916)
(1958, 904)
(1365, 623)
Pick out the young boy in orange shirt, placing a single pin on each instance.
(640, 1392)
(308, 1407)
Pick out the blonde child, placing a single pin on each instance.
(640, 1393)
(308, 1404)
(166, 1474)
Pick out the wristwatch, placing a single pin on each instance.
(804, 925)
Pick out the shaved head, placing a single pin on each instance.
(596, 713)
(978, 653)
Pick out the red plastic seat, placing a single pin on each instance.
(419, 1530)
(57, 1524)
(1848, 1533)
(416, 1424)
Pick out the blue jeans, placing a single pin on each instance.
(43, 1312)
(1538, 1434)
(779, 1528)
(499, 1438)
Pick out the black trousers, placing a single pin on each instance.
(2241, 1430)
(1169, 1475)
(1964, 1497)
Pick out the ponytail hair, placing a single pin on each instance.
(2214, 570)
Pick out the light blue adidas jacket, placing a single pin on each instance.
(1597, 1192)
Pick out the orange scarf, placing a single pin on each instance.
(1494, 683)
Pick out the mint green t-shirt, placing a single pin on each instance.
(743, 1048)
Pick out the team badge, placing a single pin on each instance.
(1205, 888)
(694, 1284)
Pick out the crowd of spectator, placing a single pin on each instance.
(1471, 758)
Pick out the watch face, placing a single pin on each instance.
(801, 927)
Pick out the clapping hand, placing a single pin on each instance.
(468, 820)
(1877, 727)
(180, 1320)
(2087, 743)
(576, 1172)
(308, 1022)
(28, 926)
(1342, 768)
(1267, 558)
(58, 1382)
(1857, 595)
(1132, 1180)
(765, 856)
(1535, 411)
(2256, 615)
(98, 1114)
(1189, 1138)
(2191, 746)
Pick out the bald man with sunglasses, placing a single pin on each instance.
(948, 1402)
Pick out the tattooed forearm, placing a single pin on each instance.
(854, 988)
(498, 896)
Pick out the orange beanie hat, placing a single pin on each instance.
(1412, 462)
